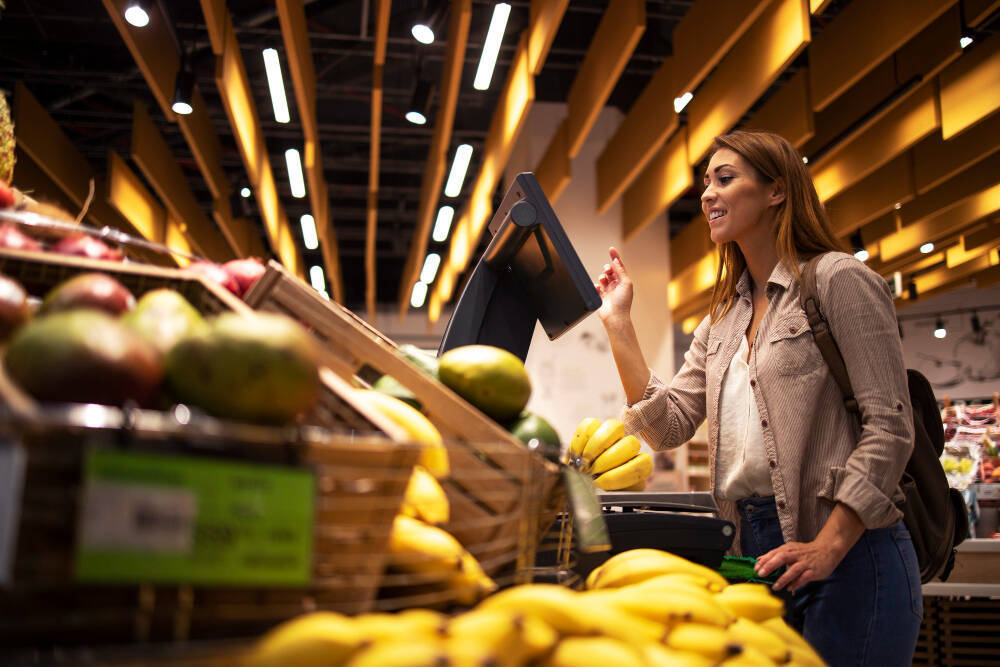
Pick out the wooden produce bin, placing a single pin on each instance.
(495, 480)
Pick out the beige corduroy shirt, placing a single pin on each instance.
(817, 453)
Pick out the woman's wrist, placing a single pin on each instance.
(617, 322)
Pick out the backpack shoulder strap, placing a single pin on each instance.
(809, 300)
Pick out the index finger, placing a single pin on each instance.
(616, 256)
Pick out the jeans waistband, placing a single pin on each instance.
(753, 503)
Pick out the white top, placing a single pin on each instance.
(741, 463)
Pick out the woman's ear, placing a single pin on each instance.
(777, 194)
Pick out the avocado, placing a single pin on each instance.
(425, 362)
(260, 367)
(88, 290)
(391, 386)
(163, 317)
(529, 425)
(84, 356)
(492, 379)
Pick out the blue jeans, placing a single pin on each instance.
(868, 612)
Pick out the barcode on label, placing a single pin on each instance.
(137, 517)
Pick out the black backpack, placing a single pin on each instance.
(934, 513)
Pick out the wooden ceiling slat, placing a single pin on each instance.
(872, 197)
(970, 180)
(746, 72)
(945, 279)
(216, 22)
(817, 6)
(544, 19)
(705, 35)
(904, 126)
(936, 160)
(692, 282)
(662, 182)
(958, 255)
(879, 228)
(641, 134)
(689, 245)
(205, 147)
(158, 165)
(788, 112)
(977, 11)
(382, 8)
(970, 88)
(987, 234)
(861, 36)
(30, 177)
(554, 170)
(129, 196)
(437, 156)
(621, 27)
(932, 49)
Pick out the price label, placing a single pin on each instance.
(149, 518)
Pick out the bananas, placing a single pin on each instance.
(319, 638)
(752, 601)
(425, 499)
(433, 456)
(603, 450)
(581, 435)
(589, 651)
(607, 434)
(637, 565)
(714, 643)
(633, 471)
(615, 455)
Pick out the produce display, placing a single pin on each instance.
(611, 457)
(643, 607)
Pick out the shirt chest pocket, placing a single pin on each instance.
(791, 347)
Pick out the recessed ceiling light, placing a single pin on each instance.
(927, 248)
(136, 15)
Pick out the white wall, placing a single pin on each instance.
(575, 376)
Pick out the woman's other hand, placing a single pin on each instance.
(615, 288)
(805, 561)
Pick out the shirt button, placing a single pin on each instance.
(899, 407)
(792, 329)
(753, 383)
(781, 504)
(772, 463)
(763, 422)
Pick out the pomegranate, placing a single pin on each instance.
(13, 238)
(215, 273)
(86, 246)
(245, 272)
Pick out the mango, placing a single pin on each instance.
(88, 290)
(14, 307)
(492, 379)
(163, 317)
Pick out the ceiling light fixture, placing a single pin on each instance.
(245, 192)
(424, 26)
(317, 279)
(431, 264)
(443, 224)
(965, 40)
(858, 246)
(927, 248)
(491, 47)
(419, 294)
(682, 101)
(939, 330)
(276, 84)
(136, 15)
(805, 160)
(309, 238)
(183, 91)
(295, 179)
(463, 154)
(420, 102)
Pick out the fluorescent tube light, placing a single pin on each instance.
(491, 47)
(274, 81)
(294, 162)
(463, 154)
(419, 294)
(682, 101)
(431, 264)
(317, 279)
(443, 224)
(136, 15)
(309, 238)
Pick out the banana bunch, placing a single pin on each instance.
(425, 499)
(434, 455)
(613, 458)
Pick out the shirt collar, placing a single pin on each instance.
(780, 276)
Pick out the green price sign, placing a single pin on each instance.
(149, 518)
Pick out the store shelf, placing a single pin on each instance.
(947, 589)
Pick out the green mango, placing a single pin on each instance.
(163, 317)
(492, 379)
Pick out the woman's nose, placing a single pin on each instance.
(708, 193)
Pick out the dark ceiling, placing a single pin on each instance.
(74, 61)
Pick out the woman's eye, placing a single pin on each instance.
(725, 179)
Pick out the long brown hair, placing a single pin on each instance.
(801, 225)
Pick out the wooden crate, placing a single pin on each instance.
(959, 631)
(486, 487)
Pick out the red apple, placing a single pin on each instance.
(6, 195)
(245, 272)
(13, 238)
(86, 246)
(215, 273)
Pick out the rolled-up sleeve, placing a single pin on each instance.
(858, 305)
(667, 415)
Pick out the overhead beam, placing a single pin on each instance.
(884, 189)
(437, 156)
(129, 196)
(295, 32)
(665, 179)
(988, 234)
(973, 178)
(544, 19)
(746, 72)
(977, 11)
(860, 37)
(555, 168)
(788, 112)
(371, 221)
(936, 160)
(970, 88)
(689, 245)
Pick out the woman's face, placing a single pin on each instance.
(735, 199)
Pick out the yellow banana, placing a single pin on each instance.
(750, 657)
(633, 471)
(710, 641)
(556, 605)
(319, 638)
(581, 435)
(753, 601)
(657, 655)
(803, 652)
(672, 579)
(537, 636)
(486, 636)
(754, 635)
(411, 623)
(425, 499)
(607, 434)
(615, 455)
(433, 456)
(400, 652)
(638, 486)
(589, 651)
(636, 565)
(669, 607)
(805, 657)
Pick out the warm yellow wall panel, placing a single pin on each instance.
(617, 35)
(949, 220)
(129, 196)
(693, 281)
(705, 35)
(970, 88)
(665, 179)
(545, 16)
(554, 169)
(690, 244)
(752, 65)
(904, 126)
(977, 11)
(861, 36)
(641, 134)
(788, 112)
(874, 196)
(936, 160)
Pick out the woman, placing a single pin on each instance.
(810, 489)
